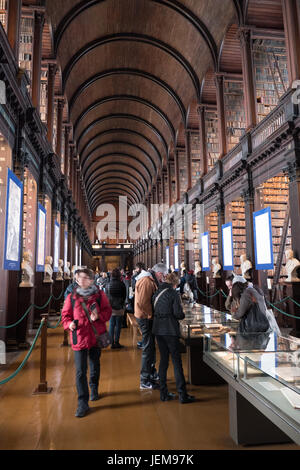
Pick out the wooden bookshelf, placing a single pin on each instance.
(26, 45)
(274, 193)
(271, 74)
(234, 112)
(211, 226)
(235, 213)
(212, 141)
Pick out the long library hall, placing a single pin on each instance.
(149, 225)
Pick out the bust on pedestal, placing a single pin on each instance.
(291, 267)
(48, 273)
(198, 269)
(182, 268)
(74, 268)
(216, 268)
(27, 271)
(60, 273)
(67, 274)
(246, 265)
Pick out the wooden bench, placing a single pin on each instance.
(131, 321)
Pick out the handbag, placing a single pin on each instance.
(255, 321)
(103, 340)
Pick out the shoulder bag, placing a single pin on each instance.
(103, 340)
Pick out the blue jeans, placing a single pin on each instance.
(81, 372)
(115, 325)
(148, 354)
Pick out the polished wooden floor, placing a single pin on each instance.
(124, 417)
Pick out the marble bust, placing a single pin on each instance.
(291, 266)
(60, 273)
(246, 265)
(182, 268)
(198, 269)
(48, 273)
(216, 268)
(67, 274)
(27, 271)
(74, 268)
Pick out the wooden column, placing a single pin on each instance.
(248, 78)
(60, 110)
(169, 180)
(13, 25)
(71, 181)
(163, 187)
(188, 159)
(50, 104)
(203, 144)
(219, 80)
(67, 153)
(177, 174)
(39, 18)
(291, 17)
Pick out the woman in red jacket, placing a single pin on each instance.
(82, 336)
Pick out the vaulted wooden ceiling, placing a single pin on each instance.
(132, 72)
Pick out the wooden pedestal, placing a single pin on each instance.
(42, 294)
(58, 287)
(25, 299)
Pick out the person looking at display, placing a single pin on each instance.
(167, 311)
(146, 284)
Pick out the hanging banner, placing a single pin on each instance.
(205, 251)
(176, 257)
(13, 224)
(41, 238)
(168, 257)
(263, 246)
(65, 251)
(56, 246)
(227, 246)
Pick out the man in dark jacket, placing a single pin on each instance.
(116, 293)
(167, 311)
(71, 287)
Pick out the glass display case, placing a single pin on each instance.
(265, 370)
(198, 322)
(201, 320)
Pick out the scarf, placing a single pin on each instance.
(87, 292)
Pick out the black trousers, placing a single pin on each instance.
(81, 359)
(170, 345)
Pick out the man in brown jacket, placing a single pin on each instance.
(146, 285)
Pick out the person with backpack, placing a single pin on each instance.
(85, 311)
(116, 293)
(168, 310)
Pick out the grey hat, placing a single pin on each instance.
(238, 279)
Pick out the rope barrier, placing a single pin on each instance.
(281, 311)
(34, 306)
(26, 357)
(56, 325)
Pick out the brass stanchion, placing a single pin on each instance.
(43, 386)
